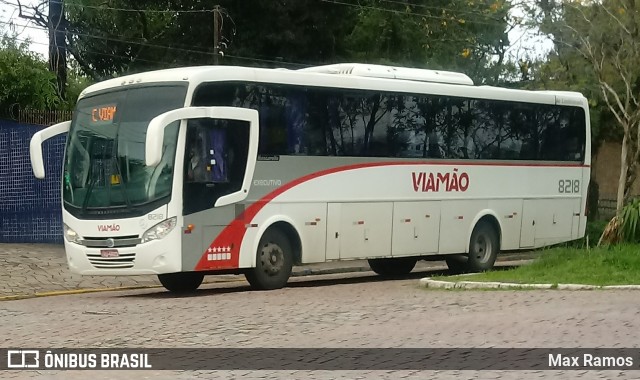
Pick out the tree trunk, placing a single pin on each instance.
(624, 165)
(58, 45)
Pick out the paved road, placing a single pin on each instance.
(345, 310)
(31, 269)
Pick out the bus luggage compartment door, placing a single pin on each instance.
(359, 230)
(416, 226)
(547, 221)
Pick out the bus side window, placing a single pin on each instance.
(217, 155)
(560, 139)
(207, 153)
(196, 161)
(295, 119)
(575, 135)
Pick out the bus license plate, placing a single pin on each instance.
(109, 253)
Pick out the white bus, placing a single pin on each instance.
(208, 170)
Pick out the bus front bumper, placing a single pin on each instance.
(155, 257)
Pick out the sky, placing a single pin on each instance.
(522, 39)
(9, 21)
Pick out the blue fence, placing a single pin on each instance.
(30, 209)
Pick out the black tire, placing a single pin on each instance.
(393, 267)
(457, 264)
(274, 262)
(484, 246)
(182, 282)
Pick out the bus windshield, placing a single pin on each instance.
(104, 168)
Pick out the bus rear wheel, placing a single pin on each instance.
(483, 251)
(393, 267)
(182, 282)
(274, 262)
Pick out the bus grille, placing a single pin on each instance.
(114, 242)
(124, 261)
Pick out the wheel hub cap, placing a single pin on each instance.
(272, 258)
(483, 249)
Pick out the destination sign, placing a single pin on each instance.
(103, 114)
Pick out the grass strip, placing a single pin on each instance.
(615, 265)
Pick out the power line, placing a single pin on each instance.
(404, 13)
(105, 7)
(252, 59)
(473, 13)
(8, 3)
(203, 52)
(187, 50)
(170, 11)
(213, 10)
(111, 38)
(95, 52)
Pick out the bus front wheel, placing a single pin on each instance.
(393, 267)
(182, 282)
(274, 262)
(484, 246)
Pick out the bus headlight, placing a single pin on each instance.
(160, 230)
(70, 235)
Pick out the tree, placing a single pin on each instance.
(467, 36)
(307, 32)
(116, 37)
(25, 81)
(56, 24)
(606, 35)
(563, 69)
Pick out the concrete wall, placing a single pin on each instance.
(606, 170)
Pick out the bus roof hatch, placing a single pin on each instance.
(390, 72)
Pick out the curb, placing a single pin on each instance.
(73, 291)
(428, 282)
(317, 272)
(297, 273)
(96, 290)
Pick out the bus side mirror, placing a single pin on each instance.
(155, 137)
(157, 125)
(35, 146)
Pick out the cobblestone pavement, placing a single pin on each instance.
(37, 269)
(339, 310)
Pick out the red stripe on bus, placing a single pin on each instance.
(233, 234)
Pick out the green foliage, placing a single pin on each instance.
(613, 265)
(76, 83)
(574, 65)
(593, 232)
(25, 80)
(630, 225)
(464, 36)
(308, 32)
(108, 38)
(591, 237)
(624, 227)
(566, 70)
(593, 198)
(111, 38)
(598, 44)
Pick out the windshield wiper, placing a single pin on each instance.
(123, 187)
(92, 180)
(90, 184)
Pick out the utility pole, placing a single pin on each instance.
(217, 22)
(57, 25)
